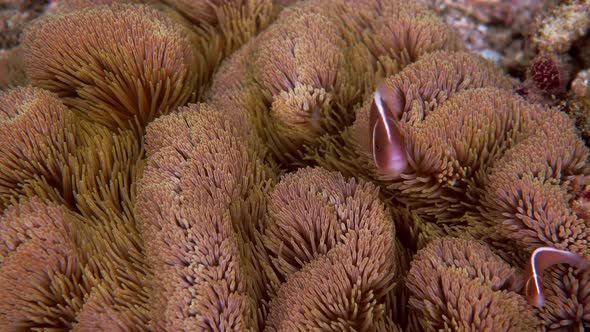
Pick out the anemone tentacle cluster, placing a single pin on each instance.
(227, 165)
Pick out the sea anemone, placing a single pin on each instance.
(311, 211)
(567, 299)
(458, 284)
(49, 288)
(300, 83)
(528, 192)
(120, 66)
(403, 33)
(302, 88)
(198, 202)
(411, 95)
(331, 246)
(348, 167)
(38, 133)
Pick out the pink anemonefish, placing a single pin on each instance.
(388, 148)
(541, 259)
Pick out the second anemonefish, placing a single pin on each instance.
(541, 259)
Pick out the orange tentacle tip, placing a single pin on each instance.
(541, 259)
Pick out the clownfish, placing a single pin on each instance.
(387, 141)
(541, 259)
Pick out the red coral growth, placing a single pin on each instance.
(547, 74)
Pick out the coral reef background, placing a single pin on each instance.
(210, 165)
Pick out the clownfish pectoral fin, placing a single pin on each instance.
(533, 291)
